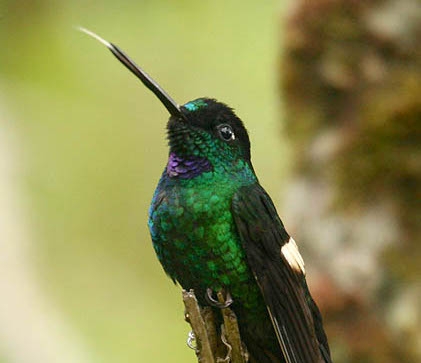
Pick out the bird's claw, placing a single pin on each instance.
(190, 341)
(227, 358)
(218, 303)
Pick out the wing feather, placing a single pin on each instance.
(279, 271)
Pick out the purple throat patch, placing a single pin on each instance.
(187, 167)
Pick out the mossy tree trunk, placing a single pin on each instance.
(351, 85)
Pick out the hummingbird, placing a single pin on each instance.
(214, 228)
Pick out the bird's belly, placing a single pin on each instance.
(196, 241)
(197, 244)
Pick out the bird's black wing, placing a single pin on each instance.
(279, 271)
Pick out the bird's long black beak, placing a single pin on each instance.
(172, 106)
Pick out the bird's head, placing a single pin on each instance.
(203, 134)
(208, 129)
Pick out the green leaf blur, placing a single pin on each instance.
(90, 144)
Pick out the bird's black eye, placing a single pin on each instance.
(226, 133)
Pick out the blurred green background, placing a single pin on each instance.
(83, 146)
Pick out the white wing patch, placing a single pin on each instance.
(292, 255)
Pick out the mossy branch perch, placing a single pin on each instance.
(214, 345)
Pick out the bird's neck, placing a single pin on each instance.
(187, 167)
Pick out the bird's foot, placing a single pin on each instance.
(228, 357)
(191, 340)
(222, 302)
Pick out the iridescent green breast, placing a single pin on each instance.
(195, 237)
